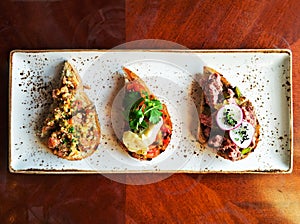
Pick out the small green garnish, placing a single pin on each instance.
(74, 140)
(143, 112)
(65, 140)
(71, 130)
(245, 151)
(242, 132)
(237, 92)
(155, 115)
(229, 118)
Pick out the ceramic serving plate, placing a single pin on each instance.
(263, 76)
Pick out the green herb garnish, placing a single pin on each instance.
(143, 112)
(229, 118)
(65, 140)
(71, 130)
(243, 133)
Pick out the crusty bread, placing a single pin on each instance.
(210, 110)
(164, 135)
(72, 129)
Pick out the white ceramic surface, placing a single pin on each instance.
(263, 76)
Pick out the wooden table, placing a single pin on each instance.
(181, 198)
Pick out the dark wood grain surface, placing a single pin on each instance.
(181, 198)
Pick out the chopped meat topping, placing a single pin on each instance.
(232, 149)
(230, 93)
(212, 88)
(216, 141)
(206, 120)
(206, 132)
(231, 98)
(249, 114)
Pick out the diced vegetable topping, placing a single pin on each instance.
(237, 92)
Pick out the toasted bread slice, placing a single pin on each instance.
(71, 130)
(136, 86)
(216, 92)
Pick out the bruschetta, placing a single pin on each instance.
(148, 126)
(227, 119)
(71, 130)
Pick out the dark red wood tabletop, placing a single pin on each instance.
(181, 198)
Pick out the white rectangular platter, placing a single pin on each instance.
(263, 76)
